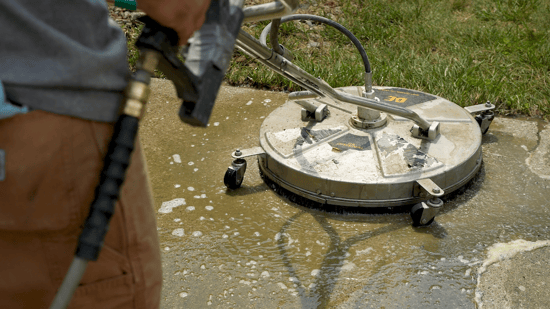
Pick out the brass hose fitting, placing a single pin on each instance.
(137, 92)
(137, 95)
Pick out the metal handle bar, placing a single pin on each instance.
(252, 47)
(267, 11)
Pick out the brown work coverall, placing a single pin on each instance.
(53, 164)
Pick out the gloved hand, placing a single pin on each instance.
(184, 16)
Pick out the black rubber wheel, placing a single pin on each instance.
(416, 215)
(231, 179)
(479, 120)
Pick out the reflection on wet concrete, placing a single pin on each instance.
(251, 248)
(333, 262)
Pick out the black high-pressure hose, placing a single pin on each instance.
(276, 23)
(196, 82)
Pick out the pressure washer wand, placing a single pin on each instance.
(197, 82)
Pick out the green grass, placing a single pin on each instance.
(467, 51)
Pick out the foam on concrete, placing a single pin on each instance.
(491, 288)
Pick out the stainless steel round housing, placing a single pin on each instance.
(335, 162)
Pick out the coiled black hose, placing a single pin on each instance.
(320, 19)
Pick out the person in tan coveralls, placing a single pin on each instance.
(65, 63)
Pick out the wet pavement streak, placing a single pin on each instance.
(251, 248)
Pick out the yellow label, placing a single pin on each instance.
(396, 99)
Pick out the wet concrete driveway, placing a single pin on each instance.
(251, 248)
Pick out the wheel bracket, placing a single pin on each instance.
(237, 154)
(485, 115)
(427, 187)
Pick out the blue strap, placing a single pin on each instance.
(7, 109)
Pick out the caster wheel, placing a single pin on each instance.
(478, 119)
(416, 215)
(484, 121)
(231, 180)
(235, 174)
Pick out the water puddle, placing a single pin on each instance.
(251, 248)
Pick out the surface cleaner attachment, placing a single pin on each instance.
(361, 146)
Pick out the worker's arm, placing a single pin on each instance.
(184, 16)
